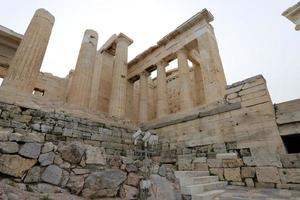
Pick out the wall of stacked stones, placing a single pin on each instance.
(52, 152)
(239, 141)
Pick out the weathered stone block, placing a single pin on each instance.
(233, 163)
(15, 165)
(290, 175)
(33, 175)
(214, 163)
(200, 166)
(52, 174)
(95, 155)
(249, 182)
(267, 174)
(30, 150)
(46, 158)
(9, 147)
(290, 160)
(48, 146)
(248, 172)
(264, 185)
(226, 156)
(71, 152)
(218, 172)
(232, 174)
(200, 160)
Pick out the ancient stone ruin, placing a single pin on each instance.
(73, 135)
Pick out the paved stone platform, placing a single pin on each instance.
(246, 193)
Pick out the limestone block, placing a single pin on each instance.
(249, 182)
(4, 133)
(218, 172)
(232, 174)
(200, 166)
(80, 171)
(52, 174)
(15, 165)
(48, 146)
(290, 160)
(248, 172)
(30, 150)
(103, 183)
(75, 184)
(46, 158)
(233, 163)
(219, 148)
(185, 164)
(249, 161)
(27, 137)
(128, 192)
(215, 163)
(200, 160)
(264, 185)
(71, 152)
(133, 179)
(267, 174)
(33, 175)
(9, 147)
(95, 155)
(237, 183)
(226, 156)
(290, 175)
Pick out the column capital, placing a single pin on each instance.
(162, 63)
(145, 73)
(124, 38)
(182, 51)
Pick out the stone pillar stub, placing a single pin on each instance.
(143, 107)
(79, 94)
(186, 100)
(162, 100)
(25, 66)
(119, 81)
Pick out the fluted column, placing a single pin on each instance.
(79, 94)
(96, 79)
(162, 100)
(25, 66)
(214, 80)
(186, 100)
(143, 107)
(119, 81)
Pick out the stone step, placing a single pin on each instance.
(183, 174)
(205, 179)
(197, 180)
(207, 195)
(199, 188)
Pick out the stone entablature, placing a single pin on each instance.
(293, 14)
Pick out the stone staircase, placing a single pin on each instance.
(199, 184)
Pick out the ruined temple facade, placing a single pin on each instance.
(192, 108)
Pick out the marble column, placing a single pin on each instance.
(185, 99)
(162, 100)
(143, 107)
(96, 79)
(117, 103)
(214, 80)
(25, 66)
(79, 94)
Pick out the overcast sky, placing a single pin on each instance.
(253, 37)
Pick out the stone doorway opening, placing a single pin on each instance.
(292, 142)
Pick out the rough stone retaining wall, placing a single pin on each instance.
(58, 126)
(237, 140)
